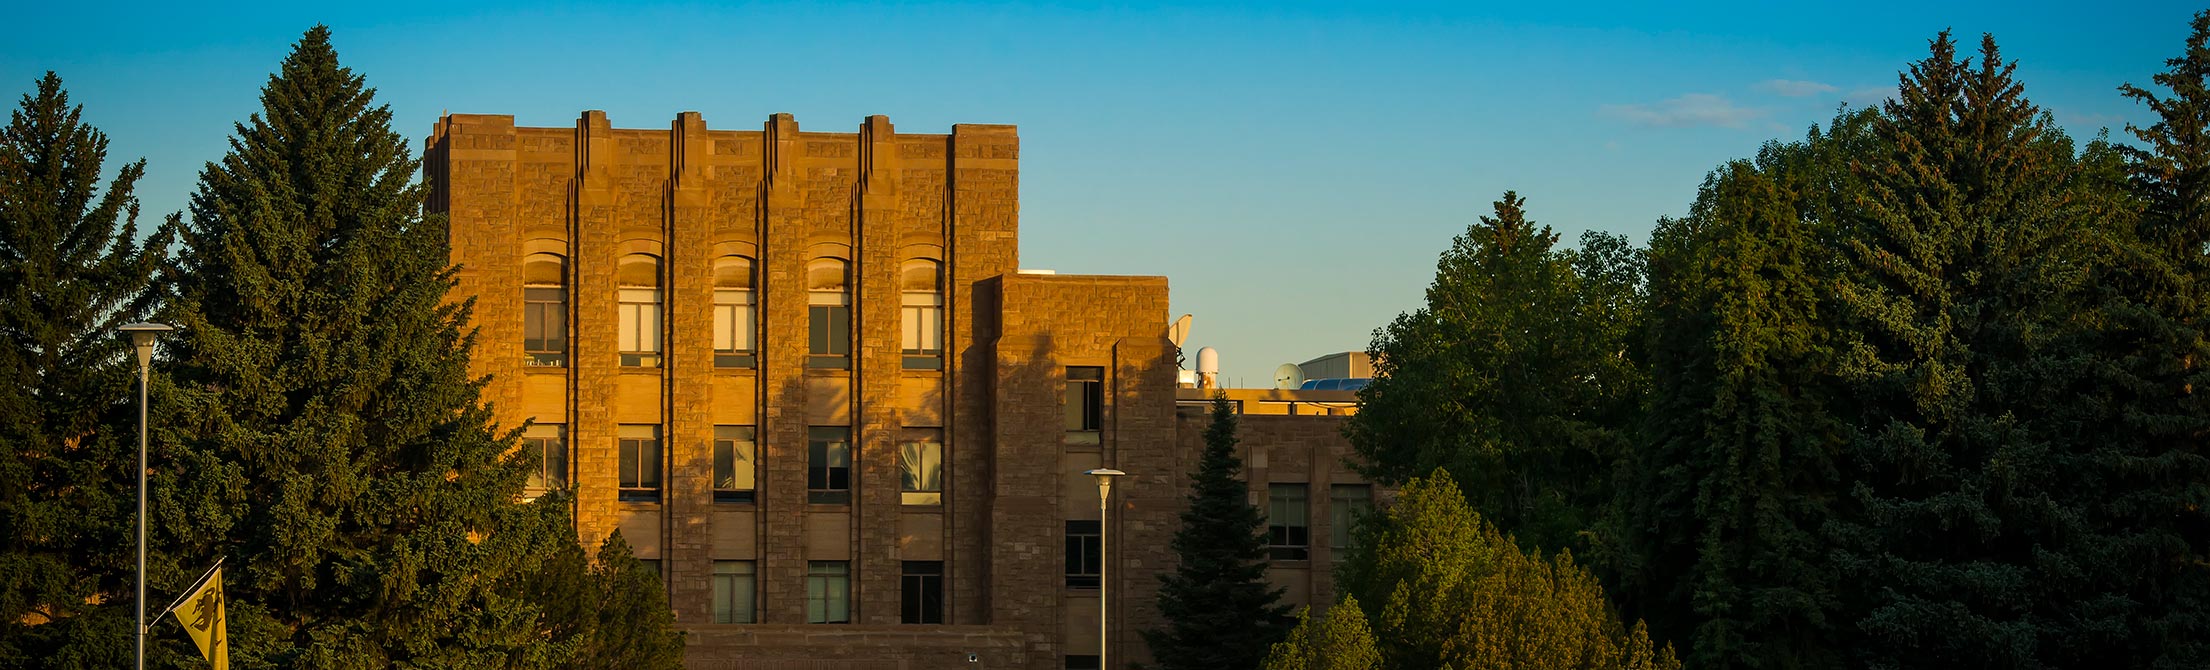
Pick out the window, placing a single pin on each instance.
(640, 463)
(544, 311)
(1085, 404)
(922, 320)
(922, 592)
(639, 276)
(735, 336)
(921, 467)
(1286, 522)
(735, 592)
(828, 314)
(548, 442)
(652, 564)
(1084, 554)
(1346, 503)
(1082, 662)
(734, 467)
(829, 465)
(828, 592)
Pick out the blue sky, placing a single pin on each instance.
(1293, 167)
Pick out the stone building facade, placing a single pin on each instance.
(802, 374)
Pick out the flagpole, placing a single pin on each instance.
(189, 590)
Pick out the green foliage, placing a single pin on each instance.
(635, 627)
(1454, 592)
(1220, 610)
(1738, 471)
(324, 434)
(1338, 641)
(1516, 376)
(1923, 391)
(71, 270)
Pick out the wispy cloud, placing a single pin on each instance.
(1868, 96)
(1690, 110)
(1795, 88)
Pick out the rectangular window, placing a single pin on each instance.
(1084, 554)
(1085, 404)
(829, 465)
(639, 463)
(652, 564)
(828, 592)
(829, 331)
(921, 467)
(640, 327)
(922, 327)
(735, 338)
(1082, 662)
(734, 467)
(549, 443)
(545, 326)
(735, 592)
(1346, 503)
(1287, 522)
(922, 592)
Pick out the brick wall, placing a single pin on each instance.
(875, 197)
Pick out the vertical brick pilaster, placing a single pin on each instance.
(782, 568)
(878, 367)
(592, 356)
(982, 194)
(690, 370)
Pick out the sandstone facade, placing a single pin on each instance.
(875, 199)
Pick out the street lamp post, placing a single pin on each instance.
(141, 338)
(1104, 590)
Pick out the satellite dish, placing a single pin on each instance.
(1179, 332)
(1288, 376)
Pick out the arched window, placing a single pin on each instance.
(829, 314)
(735, 313)
(545, 310)
(920, 281)
(639, 278)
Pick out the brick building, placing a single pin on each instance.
(802, 375)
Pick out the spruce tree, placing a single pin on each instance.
(1340, 640)
(1220, 610)
(326, 438)
(1967, 275)
(634, 627)
(1451, 591)
(1517, 375)
(72, 269)
(2154, 462)
(1740, 469)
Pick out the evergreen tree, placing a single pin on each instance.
(2150, 488)
(1740, 469)
(1968, 272)
(635, 627)
(71, 270)
(1516, 376)
(1220, 610)
(326, 437)
(1339, 640)
(1454, 592)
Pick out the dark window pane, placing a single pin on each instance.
(1083, 554)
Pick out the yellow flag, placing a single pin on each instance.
(201, 612)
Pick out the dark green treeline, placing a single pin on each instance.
(316, 425)
(1918, 390)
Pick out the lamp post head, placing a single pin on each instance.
(141, 337)
(1104, 479)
